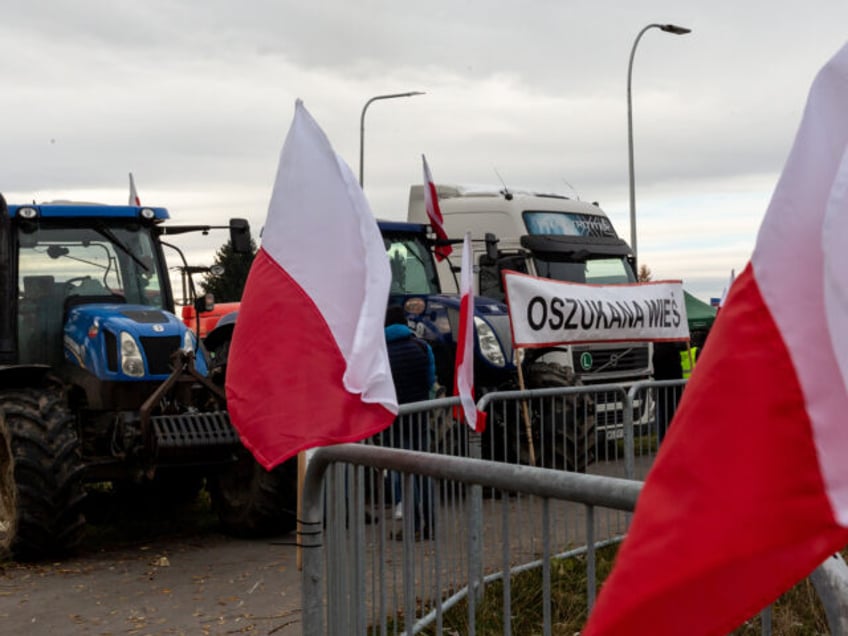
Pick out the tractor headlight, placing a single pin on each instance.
(131, 361)
(188, 341)
(489, 345)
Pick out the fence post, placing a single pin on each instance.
(311, 539)
(629, 443)
(475, 526)
(831, 582)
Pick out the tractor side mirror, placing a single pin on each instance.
(204, 303)
(240, 236)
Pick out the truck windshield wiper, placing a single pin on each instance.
(110, 235)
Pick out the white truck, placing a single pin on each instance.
(555, 237)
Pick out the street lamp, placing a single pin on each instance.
(668, 28)
(362, 126)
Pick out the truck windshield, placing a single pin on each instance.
(413, 268)
(600, 271)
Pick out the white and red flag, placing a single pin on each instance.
(749, 491)
(434, 212)
(134, 200)
(308, 364)
(464, 371)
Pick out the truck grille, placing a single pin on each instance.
(592, 359)
(158, 352)
(609, 408)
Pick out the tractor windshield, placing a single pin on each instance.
(413, 269)
(104, 260)
(60, 264)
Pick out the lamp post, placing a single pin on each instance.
(362, 127)
(668, 28)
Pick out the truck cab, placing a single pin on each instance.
(550, 236)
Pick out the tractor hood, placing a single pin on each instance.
(123, 342)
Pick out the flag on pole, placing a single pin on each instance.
(749, 492)
(308, 364)
(727, 289)
(434, 212)
(464, 371)
(134, 200)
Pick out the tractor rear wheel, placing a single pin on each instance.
(41, 486)
(253, 502)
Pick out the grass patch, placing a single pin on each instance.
(799, 612)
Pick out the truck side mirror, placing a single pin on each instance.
(491, 247)
(240, 236)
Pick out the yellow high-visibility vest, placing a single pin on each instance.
(688, 363)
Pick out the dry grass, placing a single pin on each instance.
(797, 613)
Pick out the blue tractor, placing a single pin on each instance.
(100, 382)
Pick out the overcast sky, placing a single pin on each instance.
(195, 99)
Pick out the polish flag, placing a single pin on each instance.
(134, 200)
(749, 492)
(308, 364)
(434, 213)
(464, 372)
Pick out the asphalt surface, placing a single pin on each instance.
(137, 576)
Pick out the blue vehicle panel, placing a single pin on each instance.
(69, 211)
(92, 340)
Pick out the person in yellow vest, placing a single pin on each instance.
(688, 357)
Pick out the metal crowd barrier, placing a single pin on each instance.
(367, 585)
(369, 568)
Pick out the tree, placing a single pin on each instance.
(645, 273)
(228, 287)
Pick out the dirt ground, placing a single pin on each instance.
(156, 572)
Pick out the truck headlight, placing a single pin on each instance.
(131, 361)
(489, 345)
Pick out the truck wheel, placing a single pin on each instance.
(41, 486)
(568, 426)
(253, 502)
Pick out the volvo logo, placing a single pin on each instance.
(586, 360)
(158, 328)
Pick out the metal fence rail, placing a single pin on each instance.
(485, 513)
(421, 573)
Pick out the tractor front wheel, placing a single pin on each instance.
(41, 486)
(253, 502)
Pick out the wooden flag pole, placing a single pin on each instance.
(525, 410)
(301, 477)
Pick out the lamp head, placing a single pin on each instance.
(673, 28)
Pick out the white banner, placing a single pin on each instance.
(549, 312)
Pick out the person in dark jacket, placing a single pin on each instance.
(667, 366)
(414, 374)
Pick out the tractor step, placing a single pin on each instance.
(195, 435)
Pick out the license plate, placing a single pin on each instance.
(615, 434)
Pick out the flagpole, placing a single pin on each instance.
(525, 410)
(301, 478)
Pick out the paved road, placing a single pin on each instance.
(179, 575)
(191, 580)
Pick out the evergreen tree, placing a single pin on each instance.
(228, 287)
(645, 274)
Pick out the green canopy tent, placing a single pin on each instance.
(699, 314)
